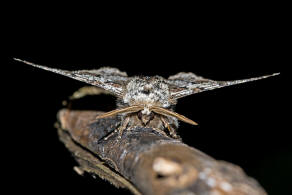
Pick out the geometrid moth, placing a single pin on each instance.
(146, 101)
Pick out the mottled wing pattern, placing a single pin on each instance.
(184, 84)
(110, 79)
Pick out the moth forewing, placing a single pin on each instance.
(110, 79)
(185, 84)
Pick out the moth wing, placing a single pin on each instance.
(110, 79)
(184, 84)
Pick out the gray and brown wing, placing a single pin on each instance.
(109, 79)
(184, 84)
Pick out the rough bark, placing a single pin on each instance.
(146, 162)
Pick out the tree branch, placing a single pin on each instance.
(146, 162)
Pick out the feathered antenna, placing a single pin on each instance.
(167, 112)
(130, 109)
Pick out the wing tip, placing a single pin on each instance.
(26, 62)
(266, 76)
(17, 59)
(275, 74)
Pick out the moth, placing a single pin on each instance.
(146, 101)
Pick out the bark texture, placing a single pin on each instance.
(146, 162)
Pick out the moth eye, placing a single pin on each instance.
(140, 115)
(151, 116)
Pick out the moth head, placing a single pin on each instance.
(145, 118)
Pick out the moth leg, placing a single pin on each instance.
(111, 134)
(120, 129)
(160, 131)
(78, 170)
(123, 126)
(171, 130)
(87, 90)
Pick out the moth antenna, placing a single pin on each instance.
(167, 112)
(129, 109)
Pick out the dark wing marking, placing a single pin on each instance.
(184, 84)
(110, 79)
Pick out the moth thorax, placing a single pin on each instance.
(147, 91)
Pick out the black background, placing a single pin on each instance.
(241, 124)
